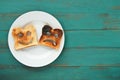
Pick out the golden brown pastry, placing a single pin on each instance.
(51, 37)
(24, 36)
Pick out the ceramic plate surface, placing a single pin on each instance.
(36, 56)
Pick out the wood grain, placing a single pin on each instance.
(73, 15)
(75, 57)
(50, 73)
(81, 39)
(72, 21)
(52, 6)
(92, 45)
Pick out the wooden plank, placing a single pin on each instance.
(82, 39)
(65, 6)
(58, 73)
(72, 14)
(74, 57)
(92, 49)
(79, 21)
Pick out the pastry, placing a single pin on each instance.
(51, 37)
(24, 36)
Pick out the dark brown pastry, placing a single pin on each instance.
(51, 37)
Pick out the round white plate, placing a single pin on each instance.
(36, 56)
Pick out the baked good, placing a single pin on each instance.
(51, 37)
(24, 36)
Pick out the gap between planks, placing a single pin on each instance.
(3, 48)
(68, 30)
(99, 66)
(93, 47)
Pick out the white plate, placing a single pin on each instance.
(36, 56)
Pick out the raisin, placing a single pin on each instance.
(28, 33)
(46, 29)
(20, 34)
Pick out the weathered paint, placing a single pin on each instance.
(92, 47)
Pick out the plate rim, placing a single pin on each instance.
(12, 52)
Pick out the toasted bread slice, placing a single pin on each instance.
(51, 37)
(24, 36)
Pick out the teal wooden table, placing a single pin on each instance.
(92, 46)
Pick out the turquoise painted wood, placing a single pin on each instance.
(92, 47)
(75, 57)
(84, 38)
(74, 15)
